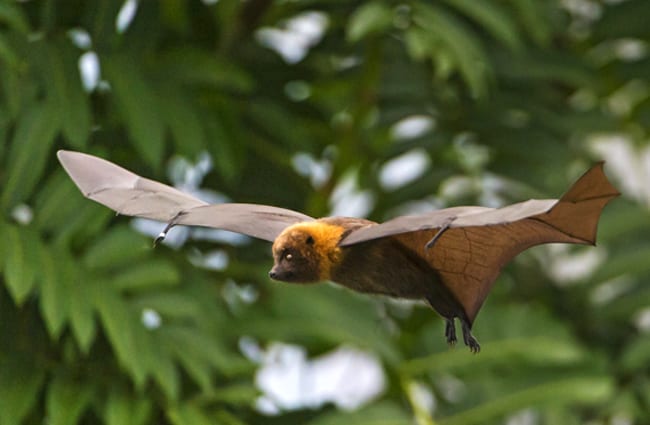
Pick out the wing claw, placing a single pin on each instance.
(442, 230)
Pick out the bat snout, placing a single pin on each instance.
(278, 273)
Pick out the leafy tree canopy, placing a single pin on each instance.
(374, 108)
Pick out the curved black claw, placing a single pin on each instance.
(469, 339)
(450, 332)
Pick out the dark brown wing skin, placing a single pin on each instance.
(129, 194)
(469, 255)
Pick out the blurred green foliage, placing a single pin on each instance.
(512, 90)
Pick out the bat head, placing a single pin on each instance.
(306, 252)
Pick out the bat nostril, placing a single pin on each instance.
(273, 274)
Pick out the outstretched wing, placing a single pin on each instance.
(129, 194)
(477, 242)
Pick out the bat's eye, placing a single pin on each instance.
(288, 257)
(310, 240)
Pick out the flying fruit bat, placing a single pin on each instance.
(450, 258)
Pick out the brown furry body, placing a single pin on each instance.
(310, 253)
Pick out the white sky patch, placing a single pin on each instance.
(80, 38)
(451, 388)
(631, 49)
(492, 186)
(290, 381)
(219, 236)
(125, 15)
(422, 396)
(89, 70)
(623, 101)
(404, 169)
(236, 294)
(217, 259)
(297, 35)
(150, 319)
(627, 163)
(610, 290)
(297, 90)
(23, 214)
(588, 10)
(412, 127)
(187, 176)
(567, 266)
(642, 320)
(318, 171)
(455, 187)
(523, 417)
(348, 201)
(420, 206)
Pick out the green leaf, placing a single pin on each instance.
(135, 98)
(123, 407)
(535, 350)
(223, 152)
(636, 355)
(13, 16)
(634, 261)
(66, 400)
(331, 315)
(583, 390)
(197, 367)
(119, 246)
(195, 67)
(80, 307)
(493, 18)
(533, 17)
(383, 413)
(7, 53)
(58, 204)
(67, 87)
(236, 394)
(188, 413)
(183, 121)
(22, 262)
(145, 275)
(418, 43)
(20, 383)
(369, 18)
(122, 329)
(5, 244)
(202, 346)
(53, 293)
(458, 41)
(169, 304)
(160, 363)
(29, 152)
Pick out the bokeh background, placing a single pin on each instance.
(366, 108)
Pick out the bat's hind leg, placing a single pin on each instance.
(450, 331)
(469, 339)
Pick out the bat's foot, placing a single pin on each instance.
(450, 332)
(469, 339)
